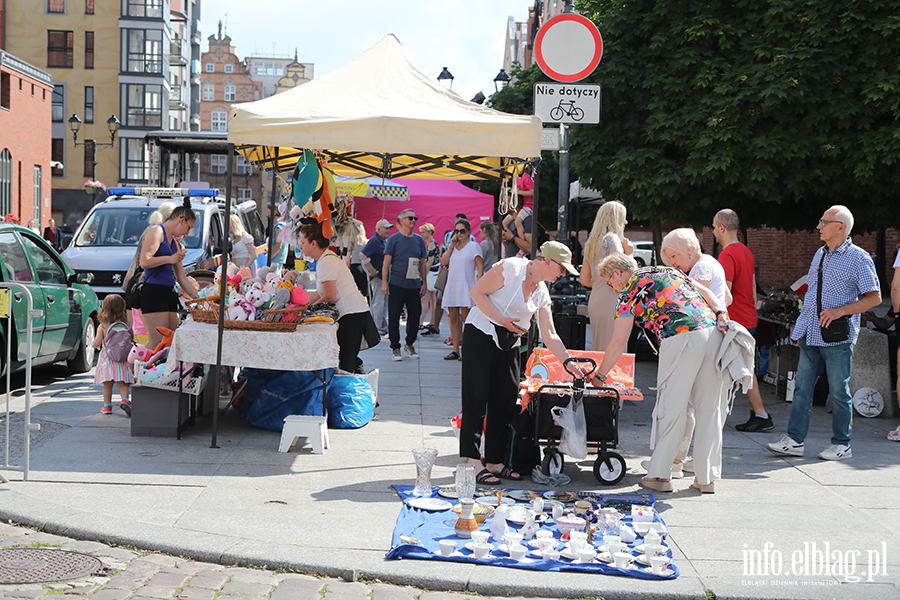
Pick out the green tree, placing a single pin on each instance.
(776, 108)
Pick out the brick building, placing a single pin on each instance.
(25, 107)
(226, 80)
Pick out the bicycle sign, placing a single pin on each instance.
(567, 103)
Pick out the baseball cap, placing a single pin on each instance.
(383, 223)
(559, 253)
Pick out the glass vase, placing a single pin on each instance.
(465, 481)
(425, 458)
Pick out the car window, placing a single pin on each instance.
(15, 265)
(111, 225)
(215, 232)
(49, 271)
(253, 225)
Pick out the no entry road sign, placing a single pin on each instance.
(568, 47)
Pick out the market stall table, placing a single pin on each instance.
(312, 347)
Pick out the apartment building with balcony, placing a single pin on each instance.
(129, 58)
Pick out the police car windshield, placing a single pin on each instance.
(123, 226)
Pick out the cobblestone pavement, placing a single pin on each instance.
(133, 574)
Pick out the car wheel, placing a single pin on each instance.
(640, 263)
(84, 358)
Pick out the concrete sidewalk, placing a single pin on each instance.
(246, 504)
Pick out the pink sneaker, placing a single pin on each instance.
(106, 409)
(125, 405)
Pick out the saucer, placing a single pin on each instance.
(536, 553)
(524, 495)
(567, 553)
(646, 561)
(455, 553)
(605, 557)
(640, 549)
(448, 491)
(492, 501)
(468, 546)
(523, 560)
(631, 567)
(429, 504)
(665, 573)
(533, 545)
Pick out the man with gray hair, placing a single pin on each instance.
(404, 283)
(842, 283)
(740, 277)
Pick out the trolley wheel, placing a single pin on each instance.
(553, 462)
(609, 468)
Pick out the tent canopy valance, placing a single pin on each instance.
(382, 114)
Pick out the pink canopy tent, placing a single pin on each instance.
(435, 201)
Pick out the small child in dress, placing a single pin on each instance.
(109, 371)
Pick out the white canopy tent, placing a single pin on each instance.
(382, 114)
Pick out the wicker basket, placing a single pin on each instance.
(260, 326)
(204, 310)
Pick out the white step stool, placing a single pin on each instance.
(314, 429)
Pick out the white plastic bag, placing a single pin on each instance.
(574, 429)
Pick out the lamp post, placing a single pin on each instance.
(501, 80)
(446, 76)
(112, 124)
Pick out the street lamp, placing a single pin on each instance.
(502, 78)
(478, 99)
(446, 76)
(112, 124)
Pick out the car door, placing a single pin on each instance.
(51, 277)
(17, 268)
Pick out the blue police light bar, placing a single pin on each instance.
(163, 192)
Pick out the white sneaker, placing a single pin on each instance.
(676, 472)
(786, 446)
(395, 355)
(688, 464)
(836, 452)
(411, 352)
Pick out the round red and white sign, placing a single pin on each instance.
(568, 47)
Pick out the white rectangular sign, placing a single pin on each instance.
(567, 102)
(549, 138)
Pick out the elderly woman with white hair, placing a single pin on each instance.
(689, 320)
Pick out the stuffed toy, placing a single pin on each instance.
(257, 298)
(306, 177)
(280, 299)
(286, 285)
(272, 281)
(291, 276)
(167, 334)
(299, 296)
(290, 317)
(139, 353)
(263, 272)
(241, 310)
(245, 273)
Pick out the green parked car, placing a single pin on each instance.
(67, 305)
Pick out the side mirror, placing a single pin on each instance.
(83, 278)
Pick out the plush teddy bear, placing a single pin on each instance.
(241, 310)
(139, 353)
(257, 298)
(272, 281)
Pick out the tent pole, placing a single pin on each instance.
(532, 338)
(223, 292)
(272, 213)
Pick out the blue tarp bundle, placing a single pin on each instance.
(272, 395)
(350, 402)
(429, 527)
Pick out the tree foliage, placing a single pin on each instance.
(776, 108)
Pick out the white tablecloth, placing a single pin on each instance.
(311, 347)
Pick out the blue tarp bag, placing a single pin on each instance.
(350, 402)
(272, 395)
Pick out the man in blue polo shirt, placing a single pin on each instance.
(843, 281)
(372, 256)
(404, 262)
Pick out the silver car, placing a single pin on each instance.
(105, 242)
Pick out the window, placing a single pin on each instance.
(229, 68)
(88, 49)
(5, 182)
(14, 259)
(56, 7)
(5, 85)
(210, 68)
(142, 51)
(209, 92)
(219, 120)
(57, 155)
(143, 105)
(59, 105)
(88, 7)
(49, 271)
(89, 157)
(217, 164)
(243, 166)
(145, 8)
(229, 93)
(135, 163)
(38, 192)
(88, 104)
(60, 48)
(244, 194)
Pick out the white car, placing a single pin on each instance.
(644, 253)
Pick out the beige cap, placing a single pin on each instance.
(560, 253)
(383, 223)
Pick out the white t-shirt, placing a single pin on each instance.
(240, 248)
(709, 269)
(897, 261)
(348, 300)
(509, 301)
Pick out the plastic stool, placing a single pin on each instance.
(314, 429)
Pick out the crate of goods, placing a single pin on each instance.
(190, 385)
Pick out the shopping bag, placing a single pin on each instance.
(574, 429)
(441, 281)
(350, 402)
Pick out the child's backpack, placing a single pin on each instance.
(119, 341)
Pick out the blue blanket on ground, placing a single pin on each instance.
(429, 527)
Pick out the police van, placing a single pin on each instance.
(105, 243)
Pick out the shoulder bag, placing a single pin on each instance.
(441, 282)
(839, 329)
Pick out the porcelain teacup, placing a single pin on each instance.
(655, 550)
(622, 559)
(481, 550)
(448, 547)
(480, 537)
(517, 552)
(586, 555)
(550, 554)
(658, 564)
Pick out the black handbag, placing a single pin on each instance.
(506, 339)
(838, 330)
